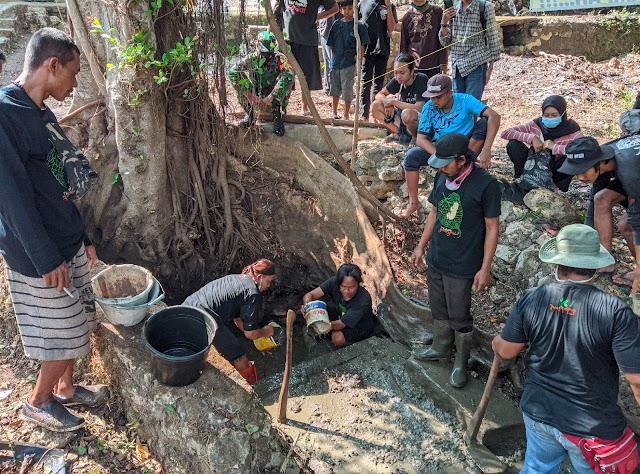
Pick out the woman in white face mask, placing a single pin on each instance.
(552, 131)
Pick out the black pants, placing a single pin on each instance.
(373, 66)
(450, 300)
(519, 152)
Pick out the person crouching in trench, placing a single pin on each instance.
(238, 299)
(353, 321)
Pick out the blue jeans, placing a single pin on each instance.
(473, 84)
(326, 60)
(546, 449)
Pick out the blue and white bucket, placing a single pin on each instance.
(317, 316)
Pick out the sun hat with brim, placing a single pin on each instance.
(583, 153)
(449, 147)
(577, 246)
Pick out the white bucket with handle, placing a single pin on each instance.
(132, 315)
(123, 285)
(317, 316)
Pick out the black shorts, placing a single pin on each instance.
(225, 342)
(360, 331)
(357, 333)
(450, 299)
(309, 60)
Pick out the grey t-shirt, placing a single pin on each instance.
(579, 339)
(628, 172)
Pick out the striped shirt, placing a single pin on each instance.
(468, 49)
(527, 132)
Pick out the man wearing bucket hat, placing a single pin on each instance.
(42, 235)
(579, 339)
(462, 235)
(614, 172)
(263, 81)
(353, 319)
(448, 112)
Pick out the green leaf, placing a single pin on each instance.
(109, 65)
(251, 428)
(115, 179)
(82, 450)
(31, 378)
(170, 409)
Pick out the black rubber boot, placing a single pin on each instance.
(459, 373)
(278, 124)
(440, 348)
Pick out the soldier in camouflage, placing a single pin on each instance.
(263, 80)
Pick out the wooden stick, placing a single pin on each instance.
(103, 287)
(284, 390)
(474, 424)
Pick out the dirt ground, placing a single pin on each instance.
(597, 94)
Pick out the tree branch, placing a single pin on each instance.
(360, 188)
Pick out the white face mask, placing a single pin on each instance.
(573, 281)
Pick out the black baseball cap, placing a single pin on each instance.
(438, 85)
(449, 147)
(583, 153)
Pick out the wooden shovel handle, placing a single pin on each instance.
(284, 390)
(476, 420)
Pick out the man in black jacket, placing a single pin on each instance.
(42, 236)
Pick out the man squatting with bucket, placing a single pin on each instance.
(461, 233)
(579, 339)
(42, 236)
(237, 299)
(351, 315)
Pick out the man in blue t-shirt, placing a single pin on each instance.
(342, 42)
(579, 339)
(462, 235)
(448, 112)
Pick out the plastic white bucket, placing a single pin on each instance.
(123, 285)
(317, 316)
(132, 315)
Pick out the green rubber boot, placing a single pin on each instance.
(440, 348)
(463, 349)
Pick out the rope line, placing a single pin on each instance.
(437, 51)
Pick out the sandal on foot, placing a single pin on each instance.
(336, 117)
(89, 396)
(53, 417)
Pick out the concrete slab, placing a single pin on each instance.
(502, 421)
(310, 136)
(359, 410)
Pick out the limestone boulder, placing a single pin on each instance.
(528, 263)
(552, 206)
(517, 235)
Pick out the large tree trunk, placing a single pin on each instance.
(129, 209)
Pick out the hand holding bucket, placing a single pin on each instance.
(317, 317)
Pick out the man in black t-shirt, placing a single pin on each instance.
(462, 234)
(399, 103)
(354, 320)
(300, 31)
(380, 18)
(613, 170)
(579, 339)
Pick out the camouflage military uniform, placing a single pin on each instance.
(263, 75)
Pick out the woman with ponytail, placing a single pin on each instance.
(238, 299)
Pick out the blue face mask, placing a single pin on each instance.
(551, 122)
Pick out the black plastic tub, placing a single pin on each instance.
(179, 339)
